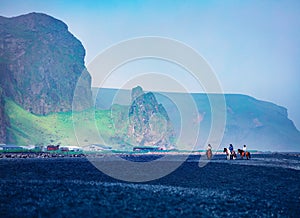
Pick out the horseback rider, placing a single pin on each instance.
(247, 153)
(208, 151)
(245, 149)
(209, 147)
(231, 148)
(232, 152)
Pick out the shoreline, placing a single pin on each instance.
(47, 155)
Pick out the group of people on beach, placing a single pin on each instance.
(230, 152)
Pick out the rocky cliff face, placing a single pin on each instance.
(3, 119)
(40, 63)
(149, 123)
(259, 124)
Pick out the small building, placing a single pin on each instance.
(28, 147)
(74, 148)
(65, 149)
(1, 146)
(11, 148)
(70, 148)
(146, 148)
(52, 147)
(98, 147)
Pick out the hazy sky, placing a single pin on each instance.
(253, 46)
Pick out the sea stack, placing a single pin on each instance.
(149, 123)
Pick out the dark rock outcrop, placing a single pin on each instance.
(149, 123)
(40, 63)
(136, 92)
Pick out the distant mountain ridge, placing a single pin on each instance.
(259, 124)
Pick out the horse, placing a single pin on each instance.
(209, 154)
(243, 154)
(229, 155)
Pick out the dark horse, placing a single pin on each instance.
(243, 154)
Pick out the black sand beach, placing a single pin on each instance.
(265, 186)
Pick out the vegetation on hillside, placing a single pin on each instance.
(62, 128)
(105, 127)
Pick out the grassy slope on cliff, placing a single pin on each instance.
(55, 128)
(108, 127)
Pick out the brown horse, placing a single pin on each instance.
(244, 154)
(209, 154)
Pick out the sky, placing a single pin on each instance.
(253, 46)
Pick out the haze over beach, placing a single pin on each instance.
(253, 46)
